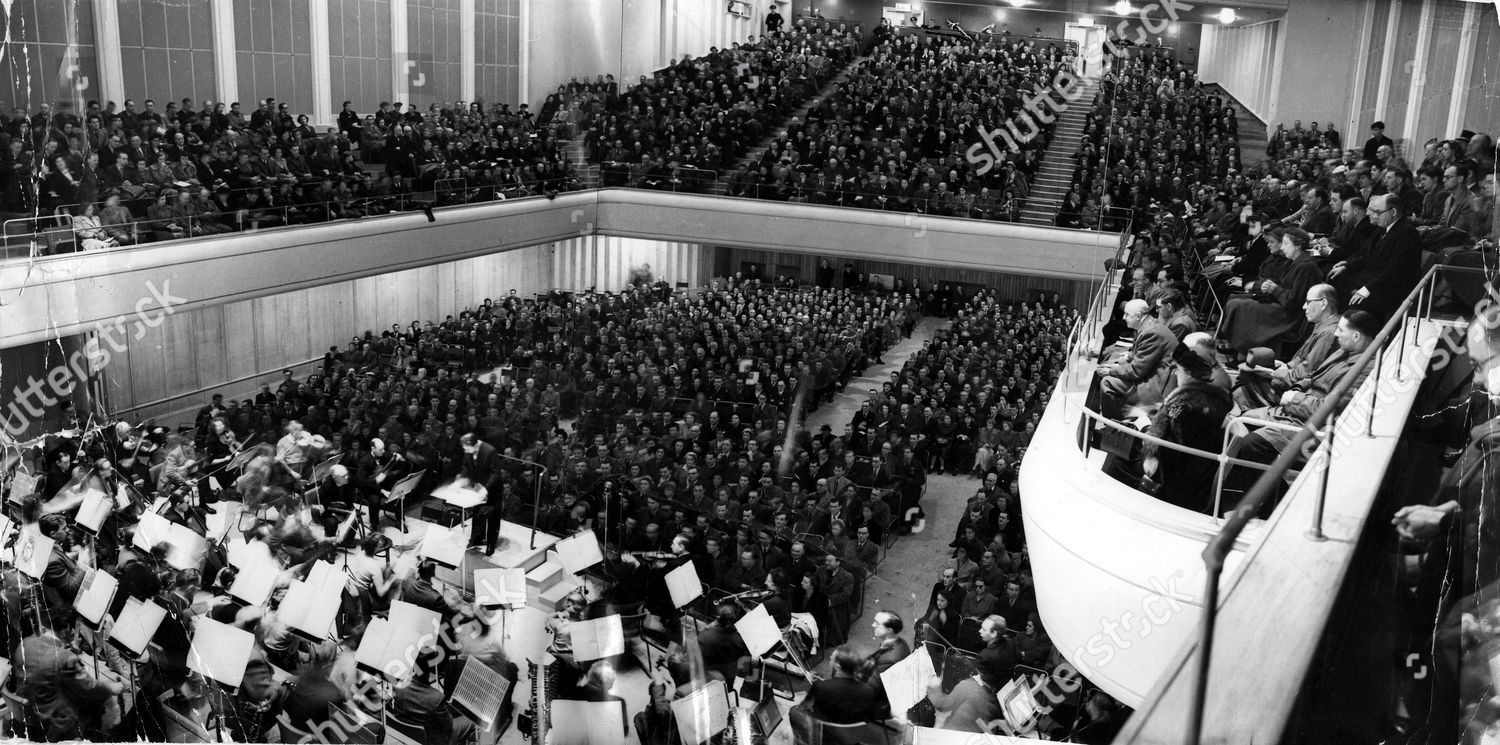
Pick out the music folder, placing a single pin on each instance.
(597, 638)
(93, 511)
(33, 551)
(136, 626)
(445, 546)
(404, 487)
(22, 485)
(498, 588)
(579, 552)
(702, 714)
(309, 611)
(94, 597)
(220, 651)
(322, 470)
(480, 692)
(759, 631)
(684, 585)
(587, 722)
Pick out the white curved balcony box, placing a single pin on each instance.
(1119, 574)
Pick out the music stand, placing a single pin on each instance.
(400, 490)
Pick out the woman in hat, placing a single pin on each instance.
(1192, 414)
(1274, 309)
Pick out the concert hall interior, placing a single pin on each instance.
(586, 372)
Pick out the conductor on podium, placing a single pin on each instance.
(481, 469)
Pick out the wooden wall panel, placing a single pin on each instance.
(196, 352)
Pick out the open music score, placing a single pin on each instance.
(759, 631)
(480, 692)
(587, 722)
(703, 713)
(906, 681)
(136, 625)
(33, 550)
(220, 651)
(579, 552)
(683, 584)
(255, 581)
(597, 638)
(94, 597)
(93, 511)
(404, 487)
(309, 611)
(497, 587)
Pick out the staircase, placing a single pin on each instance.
(1254, 135)
(1052, 181)
(588, 173)
(721, 186)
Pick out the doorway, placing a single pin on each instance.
(1090, 41)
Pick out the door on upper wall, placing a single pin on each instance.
(901, 14)
(1090, 41)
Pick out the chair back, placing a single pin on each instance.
(16, 709)
(398, 731)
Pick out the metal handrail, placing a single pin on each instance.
(1215, 553)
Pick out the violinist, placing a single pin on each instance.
(220, 446)
(375, 472)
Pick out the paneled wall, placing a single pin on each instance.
(167, 51)
(231, 346)
(803, 267)
(359, 49)
(274, 53)
(497, 54)
(42, 41)
(1242, 59)
(607, 263)
(434, 31)
(1424, 67)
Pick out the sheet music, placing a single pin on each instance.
(906, 681)
(327, 577)
(703, 713)
(481, 690)
(684, 585)
(322, 470)
(405, 486)
(597, 638)
(122, 497)
(255, 580)
(579, 552)
(220, 651)
(404, 615)
(22, 485)
(587, 722)
(445, 546)
(136, 625)
(459, 496)
(500, 587)
(33, 551)
(759, 631)
(526, 634)
(94, 597)
(151, 530)
(92, 512)
(391, 648)
(309, 609)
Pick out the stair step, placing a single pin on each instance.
(546, 600)
(545, 576)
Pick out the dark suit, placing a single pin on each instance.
(483, 469)
(890, 652)
(1393, 267)
(1138, 377)
(722, 649)
(841, 700)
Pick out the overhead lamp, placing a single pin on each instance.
(1018, 3)
(1226, 15)
(1123, 8)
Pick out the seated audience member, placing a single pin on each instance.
(66, 697)
(1263, 378)
(1139, 377)
(1275, 309)
(1172, 308)
(1193, 415)
(1392, 265)
(999, 656)
(1355, 331)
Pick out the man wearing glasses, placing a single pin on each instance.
(1394, 264)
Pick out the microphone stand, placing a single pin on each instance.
(536, 498)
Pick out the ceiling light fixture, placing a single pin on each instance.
(1226, 15)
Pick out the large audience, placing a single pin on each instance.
(893, 135)
(130, 175)
(1250, 291)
